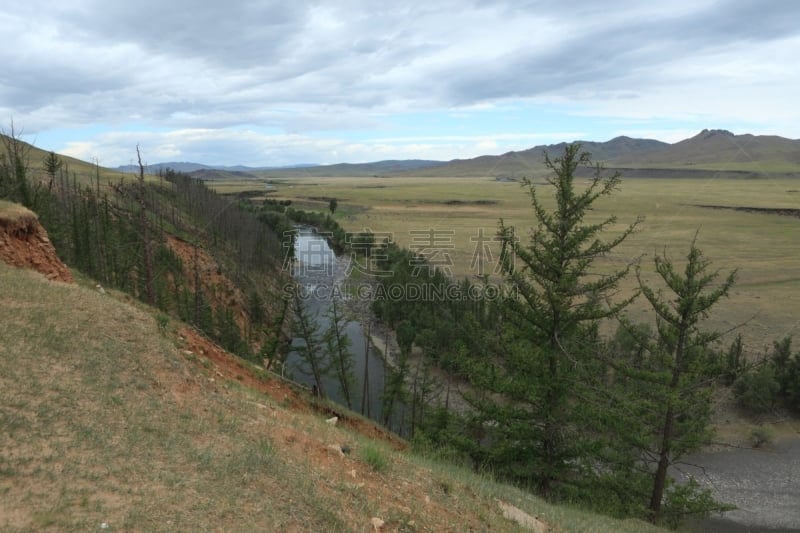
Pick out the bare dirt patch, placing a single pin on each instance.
(24, 243)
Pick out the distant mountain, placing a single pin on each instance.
(378, 168)
(192, 167)
(717, 152)
(722, 150)
(711, 151)
(531, 161)
(606, 151)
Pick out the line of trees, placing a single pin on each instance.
(116, 233)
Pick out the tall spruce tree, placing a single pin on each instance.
(529, 428)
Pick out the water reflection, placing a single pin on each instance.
(317, 266)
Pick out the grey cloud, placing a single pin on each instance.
(606, 53)
(205, 63)
(233, 34)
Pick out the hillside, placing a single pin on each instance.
(116, 419)
(76, 169)
(531, 161)
(722, 150)
(705, 155)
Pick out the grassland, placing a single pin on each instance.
(110, 422)
(762, 246)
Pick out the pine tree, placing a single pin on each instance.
(310, 348)
(552, 311)
(682, 367)
(394, 387)
(338, 345)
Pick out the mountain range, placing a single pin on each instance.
(718, 152)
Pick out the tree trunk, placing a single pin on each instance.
(660, 478)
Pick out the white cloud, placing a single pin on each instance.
(271, 78)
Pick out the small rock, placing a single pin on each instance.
(336, 448)
(377, 523)
(332, 421)
(104, 525)
(101, 290)
(345, 448)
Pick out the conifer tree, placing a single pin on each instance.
(681, 368)
(310, 347)
(338, 345)
(556, 299)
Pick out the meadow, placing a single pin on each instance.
(454, 220)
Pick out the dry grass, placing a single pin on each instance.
(107, 419)
(15, 215)
(761, 246)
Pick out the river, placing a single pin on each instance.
(319, 274)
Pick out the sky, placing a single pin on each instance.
(271, 83)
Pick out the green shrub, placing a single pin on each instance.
(757, 390)
(374, 457)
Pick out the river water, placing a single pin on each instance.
(319, 274)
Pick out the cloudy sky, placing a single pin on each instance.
(263, 82)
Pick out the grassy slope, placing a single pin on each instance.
(85, 173)
(106, 420)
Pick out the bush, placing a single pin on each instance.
(761, 436)
(690, 500)
(757, 391)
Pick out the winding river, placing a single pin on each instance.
(319, 274)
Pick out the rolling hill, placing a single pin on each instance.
(721, 150)
(718, 153)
